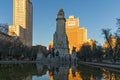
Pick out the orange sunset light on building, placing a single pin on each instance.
(76, 35)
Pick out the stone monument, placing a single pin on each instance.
(60, 41)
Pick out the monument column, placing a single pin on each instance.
(60, 41)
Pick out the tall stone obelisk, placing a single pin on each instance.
(60, 41)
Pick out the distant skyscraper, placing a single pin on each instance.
(22, 21)
(76, 35)
(60, 41)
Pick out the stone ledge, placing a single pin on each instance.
(113, 66)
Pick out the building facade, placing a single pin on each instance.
(76, 35)
(22, 21)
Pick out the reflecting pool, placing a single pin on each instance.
(56, 72)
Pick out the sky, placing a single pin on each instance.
(94, 15)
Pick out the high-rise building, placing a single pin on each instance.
(22, 21)
(76, 35)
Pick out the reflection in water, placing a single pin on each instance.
(59, 73)
(55, 72)
(45, 77)
(17, 72)
(74, 75)
(107, 75)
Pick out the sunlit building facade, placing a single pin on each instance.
(22, 21)
(76, 35)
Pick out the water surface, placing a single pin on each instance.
(56, 72)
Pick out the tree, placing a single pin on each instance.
(107, 35)
(117, 34)
(85, 52)
(98, 53)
